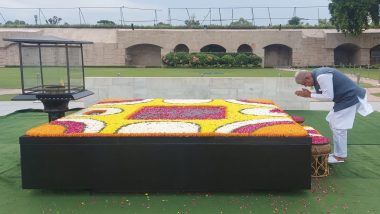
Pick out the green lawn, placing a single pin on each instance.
(7, 97)
(352, 187)
(367, 73)
(10, 77)
(376, 94)
(366, 85)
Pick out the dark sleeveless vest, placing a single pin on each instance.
(346, 92)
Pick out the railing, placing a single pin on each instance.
(121, 16)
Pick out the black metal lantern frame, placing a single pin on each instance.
(52, 71)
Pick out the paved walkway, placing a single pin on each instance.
(372, 90)
(7, 107)
(4, 91)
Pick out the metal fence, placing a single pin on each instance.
(257, 16)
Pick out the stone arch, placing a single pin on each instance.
(244, 48)
(181, 48)
(143, 55)
(375, 55)
(347, 54)
(278, 55)
(213, 48)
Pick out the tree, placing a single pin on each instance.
(324, 23)
(106, 22)
(15, 22)
(162, 25)
(192, 22)
(241, 23)
(353, 16)
(54, 20)
(295, 20)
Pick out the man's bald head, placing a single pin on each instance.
(304, 78)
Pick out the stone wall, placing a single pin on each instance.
(309, 47)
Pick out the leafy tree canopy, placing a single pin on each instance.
(295, 20)
(15, 22)
(161, 24)
(354, 16)
(106, 22)
(192, 22)
(241, 23)
(54, 20)
(324, 23)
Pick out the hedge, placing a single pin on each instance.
(182, 59)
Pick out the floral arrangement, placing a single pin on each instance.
(298, 119)
(175, 117)
(317, 138)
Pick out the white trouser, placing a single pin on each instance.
(340, 142)
(344, 119)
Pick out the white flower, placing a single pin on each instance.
(160, 127)
(232, 126)
(102, 111)
(187, 101)
(309, 128)
(263, 112)
(124, 103)
(251, 103)
(91, 125)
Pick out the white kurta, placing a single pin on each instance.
(342, 120)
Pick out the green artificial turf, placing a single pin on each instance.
(366, 130)
(352, 187)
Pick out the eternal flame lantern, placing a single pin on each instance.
(52, 71)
